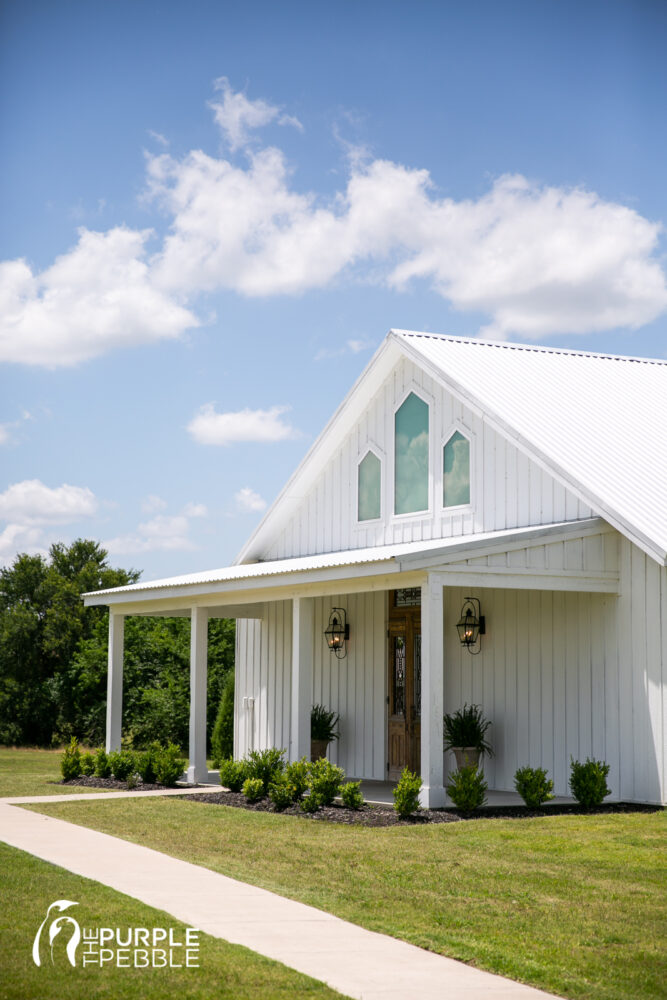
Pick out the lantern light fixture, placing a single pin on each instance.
(471, 625)
(337, 632)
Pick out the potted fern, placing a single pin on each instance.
(465, 733)
(322, 730)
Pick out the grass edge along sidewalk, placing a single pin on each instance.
(28, 886)
(572, 905)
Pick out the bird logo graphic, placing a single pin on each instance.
(55, 928)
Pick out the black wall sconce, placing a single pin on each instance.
(471, 625)
(337, 632)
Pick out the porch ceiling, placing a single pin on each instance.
(238, 590)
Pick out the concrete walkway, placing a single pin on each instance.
(354, 961)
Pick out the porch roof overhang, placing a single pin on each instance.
(239, 591)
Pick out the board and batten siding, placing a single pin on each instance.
(354, 687)
(508, 489)
(560, 674)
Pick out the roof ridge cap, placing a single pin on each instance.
(534, 348)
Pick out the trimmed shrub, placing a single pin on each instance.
(145, 763)
(233, 773)
(325, 780)
(266, 765)
(253, 789)
(468, 788)
(588, 782)
(121, 763)
(222, 738)
(297, 773)
(70, 762)
(533, 786)
(169, 765)
(406, 794)
(351, 795)
(102, 769)
(282, 793)
(311, 803)
(87, 764)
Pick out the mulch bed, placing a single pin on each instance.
(384, 815)
(90, 781)
(368, 815)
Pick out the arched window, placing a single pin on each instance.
(411, 456)
(369, 502)
(456, 471)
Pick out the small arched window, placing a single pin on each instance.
(369, 496)
(411, 456)
(456, 471)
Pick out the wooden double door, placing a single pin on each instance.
(404, 687)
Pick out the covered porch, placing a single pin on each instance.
(548, 596)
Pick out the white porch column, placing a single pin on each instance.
(303, 615)
(115, 681)
(432, 794)
(198, 771)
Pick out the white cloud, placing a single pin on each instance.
(209, 427)
(17, 538)
(30, 506)
(164, 532)
(159, 138)
(161, 533)
(95, 297)
(236, 115)
(536, 259)
(6, 430)
(349, 347)
(31, 503)
(195, 510)
(152, 503)
(247, 500)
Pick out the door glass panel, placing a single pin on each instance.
(418, 675)
(408, 597)
(398, 678)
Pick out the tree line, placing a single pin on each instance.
(53, 656)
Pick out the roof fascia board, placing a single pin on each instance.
(334, 433)
(522, 538)
(288, 581)
(517, 579)
(359, 585)
(657, 553)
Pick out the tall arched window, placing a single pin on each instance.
(369, 496)
(411, 456)
(456, 471)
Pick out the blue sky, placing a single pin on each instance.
(213, 213)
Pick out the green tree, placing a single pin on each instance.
(42, 623)
(222, 740)
(53, 655)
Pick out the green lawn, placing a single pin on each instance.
(28, 886)
(33, 772)
(572, 904)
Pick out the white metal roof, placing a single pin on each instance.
(405, 551)
(598, 420)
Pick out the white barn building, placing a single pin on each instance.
(531, 479)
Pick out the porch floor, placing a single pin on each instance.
(381, 793)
